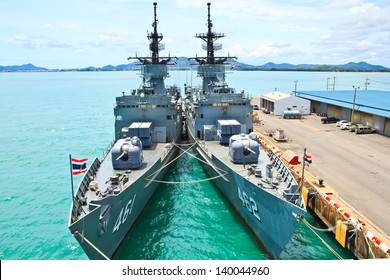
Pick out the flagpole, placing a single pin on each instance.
(71, 175)
(303, 173)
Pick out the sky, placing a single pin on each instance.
(81, 33)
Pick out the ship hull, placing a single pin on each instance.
(101, 232)
(271, 219)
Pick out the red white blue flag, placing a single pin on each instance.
(79, 166)
(308, 160)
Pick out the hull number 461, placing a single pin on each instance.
(125, 212)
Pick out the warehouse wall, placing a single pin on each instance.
(378, 122)
(386, 130)
(334, 111)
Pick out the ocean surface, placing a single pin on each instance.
(46, 116)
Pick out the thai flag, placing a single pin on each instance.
(307, 160)
(79, 166)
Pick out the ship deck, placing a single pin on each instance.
(106, 171)
(222, 153)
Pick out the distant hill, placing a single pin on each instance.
(349, 67)
(24, 67)
(182, 63)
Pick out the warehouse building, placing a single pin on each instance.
(368, 107)
(278, 102)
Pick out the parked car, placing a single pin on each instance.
(339, 123)
(329, 120)
(255, 107)
(266, 111)
(345, 126)
(363, 129)
(352, 128)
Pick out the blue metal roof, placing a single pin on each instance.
(374, 102)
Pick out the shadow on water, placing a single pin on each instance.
(195, 222)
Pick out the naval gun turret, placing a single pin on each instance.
(244, 148)
(127, 154)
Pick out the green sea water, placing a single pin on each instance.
(44, 117)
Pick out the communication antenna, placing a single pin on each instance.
(161, 47)
(330, 86)
(367, 83)
(216, 46)
(147, 77)
(295, 87)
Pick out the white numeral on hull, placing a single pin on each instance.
(249, 203)
(125, 212)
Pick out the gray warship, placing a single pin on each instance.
(114, 190)
(219, 124)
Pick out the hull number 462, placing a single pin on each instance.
(249, 203)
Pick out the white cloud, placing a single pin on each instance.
(70, 26)
(58, 44)
(22, 39)
(268, 49)
(365, 19)
(114, 36)
(359, 34)
(258, 31)
(28, 41)
(48, 26)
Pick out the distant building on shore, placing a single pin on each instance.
(367, 107)
(279, 103)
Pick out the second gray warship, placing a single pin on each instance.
(256, 182)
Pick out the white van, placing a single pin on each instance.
(362, 129)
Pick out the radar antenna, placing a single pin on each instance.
(155, 38)
(155, 47)
(210, 37)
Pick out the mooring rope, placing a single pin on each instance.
(369, 247)
(169, 163)
(321, 229)
(90, 244)
(192, 155)
(322, 240)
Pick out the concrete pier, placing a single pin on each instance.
(354, 196)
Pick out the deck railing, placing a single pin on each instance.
(80, 200)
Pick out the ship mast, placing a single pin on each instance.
(210, 37)
(211, 68)
(155, 47)
(155, 38)
(154, 68)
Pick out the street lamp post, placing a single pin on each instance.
(295, 88)
(353, 104)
